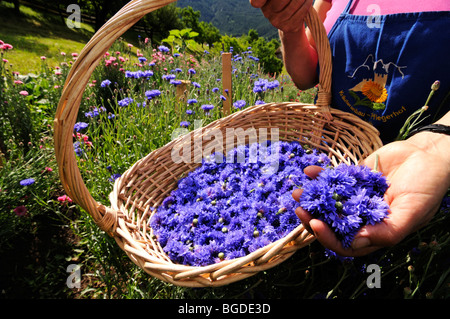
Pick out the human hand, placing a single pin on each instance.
(285, 15)
(418, 171)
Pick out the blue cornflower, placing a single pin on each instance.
(105, 83)
(148, 73)
(257, 89)
(192, 71)
(77, 148)
(226, 209)
(189, 112)
(27, 182)
(192, 101)
(239, 104)
(142, 59)
(272, 85)
(95, 112)
(114, 177)
(125, 102)
(197, 85)
(175, 82)
(168, 77)
(80, 126)
(185, 124)
(150, 94)
(346, 198)
(207, 107)
(163, 48)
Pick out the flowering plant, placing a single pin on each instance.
(346, 197)
(227, 207)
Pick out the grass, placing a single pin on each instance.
(36, 248)
(36, 34)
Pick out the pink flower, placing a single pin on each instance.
(74, 54)
(64, 198)
(20, 211)
(6, 46)
(63, 53)
(18, 82)
(49, 169)
(43, 58)
(24, 93)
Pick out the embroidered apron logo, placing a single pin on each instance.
(371, 92)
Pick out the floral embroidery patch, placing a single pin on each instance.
(367, 98)
(374, 92)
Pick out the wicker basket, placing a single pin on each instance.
(343, 136)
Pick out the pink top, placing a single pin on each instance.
(382, 7)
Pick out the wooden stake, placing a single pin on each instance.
(226, 83)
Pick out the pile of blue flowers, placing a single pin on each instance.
(346, 197)
(233, 205)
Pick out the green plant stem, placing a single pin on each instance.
(344, 275)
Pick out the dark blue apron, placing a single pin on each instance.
(383, 67)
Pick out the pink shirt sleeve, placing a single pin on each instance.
(361, 7)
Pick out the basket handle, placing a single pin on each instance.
(78, 78)
(320, 37)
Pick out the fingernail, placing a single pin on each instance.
(361, 242)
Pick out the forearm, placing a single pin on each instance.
(300, 58)
(299, 51)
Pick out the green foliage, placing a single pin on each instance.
(181, 40)
(266, 51)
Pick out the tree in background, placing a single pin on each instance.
(158, 23)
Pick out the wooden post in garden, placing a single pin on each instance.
(226, 83)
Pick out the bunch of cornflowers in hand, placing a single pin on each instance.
(233, 205)
(346, 198)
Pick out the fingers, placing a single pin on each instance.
(328, 239)
(305, 218)
(312, 171)
(258, 3)
(297, 193)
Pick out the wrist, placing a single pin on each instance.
(289, 37)
(436, 144)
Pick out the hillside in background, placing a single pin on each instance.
(232, 17)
